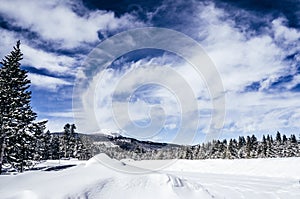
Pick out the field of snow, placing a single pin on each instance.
(104, 178)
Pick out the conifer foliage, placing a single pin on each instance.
(71, 144)
(17, 127)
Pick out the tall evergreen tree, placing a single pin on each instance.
(66, 139)
(55, 152)
(16, 114)
(264, 147)
(231, 152)
(278, 137)
(293, 139)
(284, 139)
(47, 145)
(40, 142)
(248, 147)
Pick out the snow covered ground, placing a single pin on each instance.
(104, 178)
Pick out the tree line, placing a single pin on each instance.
(246, 147)
(242, 148)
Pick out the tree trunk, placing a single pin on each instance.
(22, 164)
(2, 145)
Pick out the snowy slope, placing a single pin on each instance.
(108, 132)
(102, 177)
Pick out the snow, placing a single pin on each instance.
(271, 167)
(102, 177)
(108, 132)
(106, 144)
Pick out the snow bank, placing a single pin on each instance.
(96, 180)
(102, 177)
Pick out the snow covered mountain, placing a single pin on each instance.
(109, 138)
(108, 132)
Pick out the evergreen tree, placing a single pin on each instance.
(248, 147)
(270, 148)
(47, 145)
(66, 139)
(254, 146)
(38, 141)
(55, 152)
(242, 142)
(293, 139)
(73, 142)
(278, 137)
(264, 147)
(231, 152)
(284, 139)
(16, 114)
(241, 147)
(71, 145)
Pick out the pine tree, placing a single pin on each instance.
(242, 142)
(241, 147)
(293, 138)
(293, 148)
(270, 148)
(16, 114)
(55, 152)
(73, 141)
(264, 147)
(254, 146)
(248, 147)
(71, 145)
(66, 138)
(278, 137)
(41, 141)
(231, 150)
(284, 139)
(47, 145)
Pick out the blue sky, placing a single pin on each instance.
(253, 44)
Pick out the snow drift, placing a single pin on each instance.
(102, 177)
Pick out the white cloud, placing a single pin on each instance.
(37, 58)
(241, 59)
(47, 82)
(57, 22)
(65, 114)
(170, 99)
(256, 112)
(281, 32)
(52, 62)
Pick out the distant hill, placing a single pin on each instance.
(103, 142)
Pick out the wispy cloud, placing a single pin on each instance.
(244, 58)
(57, 22)
(47, 82)
(55, 63)
(246, 48)
(243, 55)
